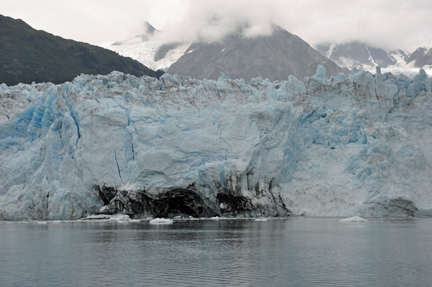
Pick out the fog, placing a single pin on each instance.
(388, 24)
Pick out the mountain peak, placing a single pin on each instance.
(275, 56)
(149, 29)
(148, 32)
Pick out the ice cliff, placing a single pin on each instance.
(180, 146)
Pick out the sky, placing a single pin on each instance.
(389, 24)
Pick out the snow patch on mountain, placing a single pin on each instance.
(361, 56)
(145, 47)
(145, 52)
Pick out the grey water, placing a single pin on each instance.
(280, 252)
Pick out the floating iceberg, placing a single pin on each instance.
(354, 219)
(178, 146)
(261, 219)
(115, 217)
(120, 218)
(161, 221)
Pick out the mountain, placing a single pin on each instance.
(149, 31)
(421, 57)
(275, 57)
(178, 146)
(28, 55)
(359, 55)
(153, 54)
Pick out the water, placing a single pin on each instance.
(282, 252)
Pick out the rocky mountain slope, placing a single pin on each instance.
(275, 57)
(29, 55)
(421, 57)
(359, 55)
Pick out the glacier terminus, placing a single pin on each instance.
(119, 144)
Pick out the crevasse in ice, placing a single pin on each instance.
(145, 147)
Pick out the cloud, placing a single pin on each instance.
(99, 22)
(208, 20)
(383, 23)
(389, 24)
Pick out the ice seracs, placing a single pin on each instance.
(143, 147)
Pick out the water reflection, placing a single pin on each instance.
(285, 252)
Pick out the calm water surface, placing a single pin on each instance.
(280, 252)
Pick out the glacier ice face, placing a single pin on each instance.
(147, 147)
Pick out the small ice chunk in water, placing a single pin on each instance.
(120, 218)
(261, 219)
(161, 221)
(354, 219)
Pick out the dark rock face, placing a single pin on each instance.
(105, 193)
(174, 202)
(164, 49)
(275, 57)
(233, 205)
(398, 206)
(181, 202)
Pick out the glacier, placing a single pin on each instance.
(145, 52)
(143, 147)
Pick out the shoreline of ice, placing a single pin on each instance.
(117, 219)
